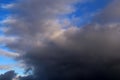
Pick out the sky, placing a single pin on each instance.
(59, 39)
(6, 62)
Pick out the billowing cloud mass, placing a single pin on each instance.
(8, 75)
(54, 49)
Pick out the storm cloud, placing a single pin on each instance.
(63, 51)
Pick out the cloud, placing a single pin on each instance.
(7, 6)
(111, 13)
(30, 77)
(8, 75)
(88, 54)
(8, 53)
(39, 19)
(53, 52)
(7, 39)
(5, 67)
(8, 20)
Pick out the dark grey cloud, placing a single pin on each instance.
(30, 77)
(86, 55)
(8, 75)
(52, 52)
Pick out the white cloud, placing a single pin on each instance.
(8, 20)
(7, 6)
(8, 53)
(7, 39)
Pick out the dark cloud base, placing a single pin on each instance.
(94, 61)
(8, 75)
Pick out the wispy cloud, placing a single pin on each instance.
(7, 6)
(8, 53)
(7, 39)
(5, 67)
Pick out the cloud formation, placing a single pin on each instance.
(8, 54)
(38, 19)
(8, 75)
(52, 51)
(110, 14)
(5, 67)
